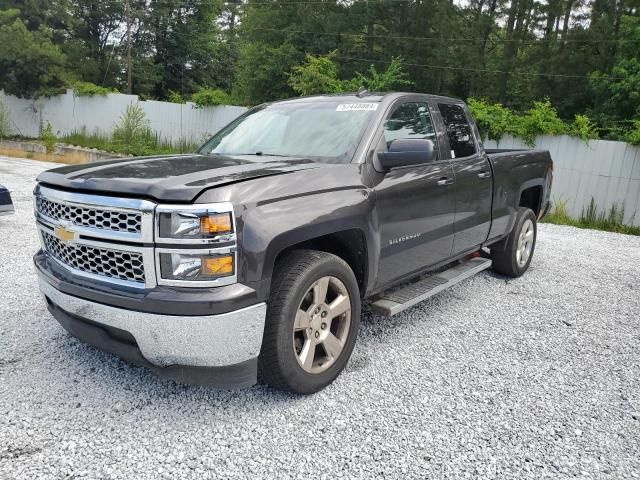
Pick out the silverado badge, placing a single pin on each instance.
(63, 234)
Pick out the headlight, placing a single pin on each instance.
(195, 266)
(194, 225)
(196, 245)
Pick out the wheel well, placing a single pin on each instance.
(531, 198)
(349, 245)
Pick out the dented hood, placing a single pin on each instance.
(176, 178)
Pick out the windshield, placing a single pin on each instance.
(325, 131)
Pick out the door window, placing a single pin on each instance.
(458, 130)
(411, 120)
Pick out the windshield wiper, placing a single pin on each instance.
(256, 154)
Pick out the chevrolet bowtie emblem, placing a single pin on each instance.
(64, 234)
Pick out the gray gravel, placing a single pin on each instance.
(529, 378)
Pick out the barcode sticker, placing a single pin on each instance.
(356, 107)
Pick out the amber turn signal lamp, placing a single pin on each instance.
(216, 223)
(217, 266)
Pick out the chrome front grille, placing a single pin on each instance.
(118, 264)
(118, 221)
(113, 239)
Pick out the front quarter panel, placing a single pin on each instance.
(273, 214)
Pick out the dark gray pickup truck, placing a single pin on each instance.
(250, 258)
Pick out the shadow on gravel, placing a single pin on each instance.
(92, 368)
(89, 367)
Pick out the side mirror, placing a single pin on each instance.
(406, 151)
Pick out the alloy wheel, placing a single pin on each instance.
(525, 243)
(322, 324)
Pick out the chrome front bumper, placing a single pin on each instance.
(166, 340)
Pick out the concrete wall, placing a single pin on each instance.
(605, 170)
(61, 153)
(67, 113)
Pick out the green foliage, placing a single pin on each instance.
(261, 72)
(133, 130)
(541, 119)
(633, 135)
(88, 89)
(618, 93)
(5, 121)
(30, 63)
(211, 97)
(582, 127)
(583, 56)
(108, 144)
(393, 78)
(175, 97)
(493, 120)
(611, 220)
(48, 137)
(559, 215)
(317, 75)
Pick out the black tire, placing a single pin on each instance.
(294, 275)
(504, 254)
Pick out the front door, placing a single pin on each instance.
(415, 204)
(473, 185)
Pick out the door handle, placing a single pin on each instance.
(484, 175)
(444, 181)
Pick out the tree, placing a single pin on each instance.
(618, 95)
(393, 78)
(30, 64)
(261, 72)
(318, 75)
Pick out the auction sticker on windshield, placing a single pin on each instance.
(353, 107)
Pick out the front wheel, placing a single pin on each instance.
(513, 255)
(313, 315)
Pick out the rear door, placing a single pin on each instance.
(415, 204)
(473, 182)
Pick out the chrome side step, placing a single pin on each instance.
(396, 300)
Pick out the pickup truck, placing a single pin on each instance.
(250, 259)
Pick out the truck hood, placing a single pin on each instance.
(176, 178)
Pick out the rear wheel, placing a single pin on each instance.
(513, 255)
(313, 316)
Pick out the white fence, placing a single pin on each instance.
(172, 122)
(605, 170)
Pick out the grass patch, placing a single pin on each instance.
(132, 135)
(592, 217)
(147, 144)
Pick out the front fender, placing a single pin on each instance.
(270, 228)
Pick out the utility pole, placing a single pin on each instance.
(128, 15)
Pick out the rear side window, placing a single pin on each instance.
(411, 120)
(458, 130)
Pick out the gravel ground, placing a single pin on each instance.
(529, 378)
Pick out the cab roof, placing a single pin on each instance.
(365, 97)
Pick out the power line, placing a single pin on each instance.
(386, 37)
(402, 37)
(448, 67)
(480, 70)
(440, 39)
